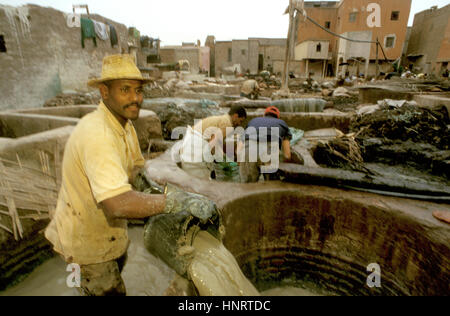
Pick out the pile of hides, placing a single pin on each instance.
(408, 122)
(341, 152)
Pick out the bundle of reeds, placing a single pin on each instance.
(341, 152)
(26, 193)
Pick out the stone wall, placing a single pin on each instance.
(44, 56)
(429, 39)
(221, 53)
(245, 53)
(173, 54)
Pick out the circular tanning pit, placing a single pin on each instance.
(289, 238)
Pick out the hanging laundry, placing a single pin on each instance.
(101, 30)
(113, 35)
(134, 32)
(137, 34)
(87, 31)
(73, 20)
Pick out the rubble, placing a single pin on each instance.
(340, 152)
(328, 85)
(73, 98)
(175, 113)
(396, 103)
(327, 93)
(406, 123)
(341, 92)
(407, 135)
(367, 109)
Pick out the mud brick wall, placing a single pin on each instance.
(48, 59)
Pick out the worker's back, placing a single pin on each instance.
(260, 129)
(221, 122)
(249, 86)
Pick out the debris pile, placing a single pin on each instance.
(408, 122)
(174, 112)
(406, 135)
(155, 90)
(341, 152)
(73, 98)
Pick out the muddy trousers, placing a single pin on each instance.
(103, 279)
(250, 172)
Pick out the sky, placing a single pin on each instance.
(177, 21)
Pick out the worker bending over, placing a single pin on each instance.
(260, 150)
(201, 142)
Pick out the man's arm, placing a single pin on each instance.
(134, 205)
(286, 145)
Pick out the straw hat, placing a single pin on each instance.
(116, 67)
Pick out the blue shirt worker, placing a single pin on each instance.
(267, 142)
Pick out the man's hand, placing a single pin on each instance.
(135, 174)
(197, 205)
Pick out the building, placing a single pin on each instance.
(252, 55)
(198, 56)
(429, 44)
(41, 54)
(322, 53)
(210, 42)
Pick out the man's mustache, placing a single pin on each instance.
(132, 104)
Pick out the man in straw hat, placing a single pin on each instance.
(89, 226)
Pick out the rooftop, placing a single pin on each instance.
(321, 4)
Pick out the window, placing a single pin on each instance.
(319, 48)
(390, 42)
(230, 55)
(153, 59)
(353, 17)
(243, 52)
(395, 15)
(328, 24)
(2, 44)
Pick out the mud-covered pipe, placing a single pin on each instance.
(170, 236)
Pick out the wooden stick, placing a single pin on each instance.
(6, 228)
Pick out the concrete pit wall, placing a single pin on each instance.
(75, 111)
(331, 242)
(286, 235)
(371, 95)
(28, 122)
(20, 125)
(312, 121)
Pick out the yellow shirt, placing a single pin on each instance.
(99, 158)
(220, 122)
